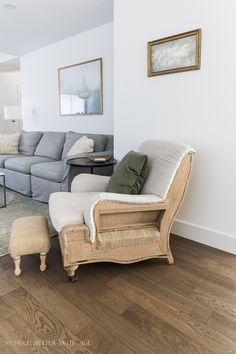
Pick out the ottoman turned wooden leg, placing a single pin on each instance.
(29, 235)
(43, 265)
(17, 270)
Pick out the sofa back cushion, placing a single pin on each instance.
(100, 141)
(29, 142)
(110, 143)
(51, 145)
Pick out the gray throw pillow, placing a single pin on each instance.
(28, 142)
(51, 145)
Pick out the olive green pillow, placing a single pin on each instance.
(130, 174)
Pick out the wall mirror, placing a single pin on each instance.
(81, 88)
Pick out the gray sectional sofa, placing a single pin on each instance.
(41, 166)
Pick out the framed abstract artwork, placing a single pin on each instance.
(174, 54)
(81, 88)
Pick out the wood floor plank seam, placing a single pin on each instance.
(201, 261)
(24, 340)
(65, 284)
(96, 310)
(199, 286)
(160, 287)
(207, 275)
(51, 305)
(43, 318)
(184, 324)
(169, 335)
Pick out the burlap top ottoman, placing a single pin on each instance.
(29, 235)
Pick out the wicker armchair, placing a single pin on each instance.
(96, 226)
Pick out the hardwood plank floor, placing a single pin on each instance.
(147, 307)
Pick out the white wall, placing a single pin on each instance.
(9, 94)
(40, 96)
(195, 107)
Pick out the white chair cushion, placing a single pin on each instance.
(68, 208)
(164, 158)
(85, 182)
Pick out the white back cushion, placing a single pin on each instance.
(164, 158)
(9, 143)
(82, 145)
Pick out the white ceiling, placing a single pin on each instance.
(10, 65)
(37, 23)
(5, 57)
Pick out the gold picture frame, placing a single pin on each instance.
(174, 54)
(81, 88)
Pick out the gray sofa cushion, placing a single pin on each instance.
(51, 145)
(110, 143)
(3, 158)
(29, 142)
(100, 141)
(23, 164)
(51, 171)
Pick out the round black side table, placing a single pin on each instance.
(85, 162)
(84, 165)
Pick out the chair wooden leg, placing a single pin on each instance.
(17, 270)
(43, 265)
(71, 273)
(170, 259)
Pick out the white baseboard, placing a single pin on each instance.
(213, 238)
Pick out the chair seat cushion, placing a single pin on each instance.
(3, 158)
(23, 164)
(51, 171)
(68, 208)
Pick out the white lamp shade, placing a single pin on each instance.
(12, 112)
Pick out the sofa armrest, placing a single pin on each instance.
(89, 183)
(114, 203)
